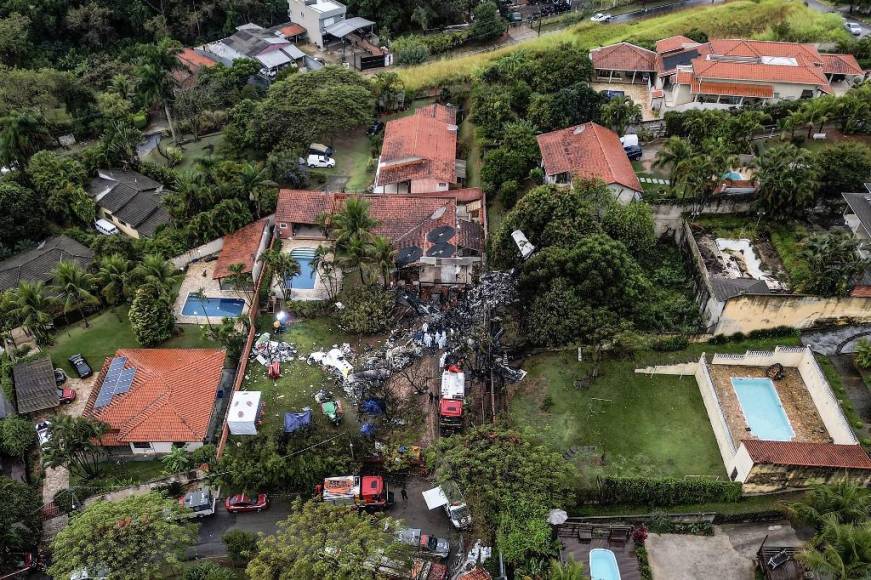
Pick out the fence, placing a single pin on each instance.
(715, 412)
(246, 351)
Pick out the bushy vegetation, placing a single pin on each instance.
(666, 492)
(365, 310)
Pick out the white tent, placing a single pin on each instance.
(244, 409)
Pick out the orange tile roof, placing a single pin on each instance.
(420, 146)
(673, 43)
(715, 62)
(291, 29)
(624, 57)
(805, 454)
(240, 247)
(300, 206)
(171, 398)
(841, 64)
(590, 151)
(191, 58)
(861, 292)
(464, 195)
(684, 77)
(733, 89)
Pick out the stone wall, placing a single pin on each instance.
(773, 478)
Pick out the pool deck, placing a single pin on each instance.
(794, 396)
(580, 552)
(319, 292)
(199, 276)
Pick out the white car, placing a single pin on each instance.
(853, 28)
(43, 432)
(600, 17)
(320, 161)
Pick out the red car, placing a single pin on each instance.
(66, 395)
(246, 503)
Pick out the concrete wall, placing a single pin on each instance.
(826, 402)
(741, 465)
(198, 253)
(623, 194)
(774, 478)
(161, 447)
(428, 185)
(715, 414)
(788, 356)
(759, 311)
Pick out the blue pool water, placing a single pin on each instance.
(306, 278)
(226, 307)
(762, 409)
(603, 565)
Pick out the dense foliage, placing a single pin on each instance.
(365, 310)
(665, 492)
(322, 540)
(20, 521)
(151, 316)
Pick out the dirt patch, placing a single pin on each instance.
(679, 557)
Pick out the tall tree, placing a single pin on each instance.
(242, 282)
(20, 521)
(73, 444)
(136, 537)
(157, 271)
(22, 133)
(22, 217)
(74, 288)
(844, 167)
(157, 62)
(487, 23)
(32, 309)
(833, 263)
(839, 551)
(151, 315)
(284, 267)
(787, 179)
(620, 112)
(322, 540)
(17, 436)
(255, 182)
(383, 257)
(115, 278)
(677, 155)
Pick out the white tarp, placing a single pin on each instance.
(244, 408)
(333, 358)
(435, 498)
(453, 386)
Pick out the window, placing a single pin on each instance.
(179, 444)
(140, 445)
(282, 225)
(807, 94)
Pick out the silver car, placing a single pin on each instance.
(432, 545)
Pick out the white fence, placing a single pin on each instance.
(715, 412)
(787, 356)
(826, 402)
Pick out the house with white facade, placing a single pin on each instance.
(316, 16)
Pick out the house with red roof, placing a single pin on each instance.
(624, 63)
(438, 236)
(419, 153)
(589, 151)
(243, 248)
(156, 399)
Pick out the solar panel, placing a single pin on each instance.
(117, 380)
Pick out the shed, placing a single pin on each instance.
(243, 414)
(35, 387)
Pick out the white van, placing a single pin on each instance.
(105, 227)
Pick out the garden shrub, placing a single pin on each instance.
(140, 120)
(410, 50)
(241, 545)
(670, 343)
(151, 316)
(364, 310)
(666, 491)
(309, 308)
(207, 570)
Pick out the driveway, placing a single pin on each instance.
(82, 387)
(727, 555)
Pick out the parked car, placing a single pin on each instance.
(201, 502)
(60, 377)
(601, 17)
(375, 128)
(611, 94)
(246, 503)
(426, 543)
(853, 28)
(320, 149)
(66, 396)
(43, 432)
(83, 369)
(633, 152)
(320, 161)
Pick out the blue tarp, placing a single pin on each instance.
(368, 429)
(373, 407)
(296, 421)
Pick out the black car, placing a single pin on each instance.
(375, 128)
(83, 369)
(633, 152)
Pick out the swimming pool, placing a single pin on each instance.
(603, 565)
(305, 280)
(762, 409)
(225, 307)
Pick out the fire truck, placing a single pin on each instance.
(367, 492)
(451, 399)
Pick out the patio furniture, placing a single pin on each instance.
(780, 558)
(619, 535)
(585, 533)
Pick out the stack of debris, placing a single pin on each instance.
(267, 352)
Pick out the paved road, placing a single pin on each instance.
(212, 528)
(820, 7)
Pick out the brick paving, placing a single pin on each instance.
(794, 396)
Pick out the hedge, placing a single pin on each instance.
(666, 491)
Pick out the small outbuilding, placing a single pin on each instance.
(35, 386)
(244, 413)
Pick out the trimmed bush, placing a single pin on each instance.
(140, 120)
(666, 491)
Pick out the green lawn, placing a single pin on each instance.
(193, 151)
(109, 331)
(118, 475)
(352, 155)
(644, 425)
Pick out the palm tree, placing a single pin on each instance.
(383, 256)
(787, 178)
(840, 551)
(200, 295)
(242, 282)
(834, 262)
(74, 287)
(254, 179)
(155, 76)
(355, 255)
(119, 142)
(352, 222)
(284, 266)
(123, 86)
(676, 154)
(323, 264)
(31, 308)
(157, 271)
(22, 134)
(114, 276)
(845, 501)
(621, 112)
(817, 112)
(571, 570)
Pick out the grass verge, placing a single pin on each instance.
(118, 475)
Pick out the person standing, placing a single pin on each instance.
(404, 495)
